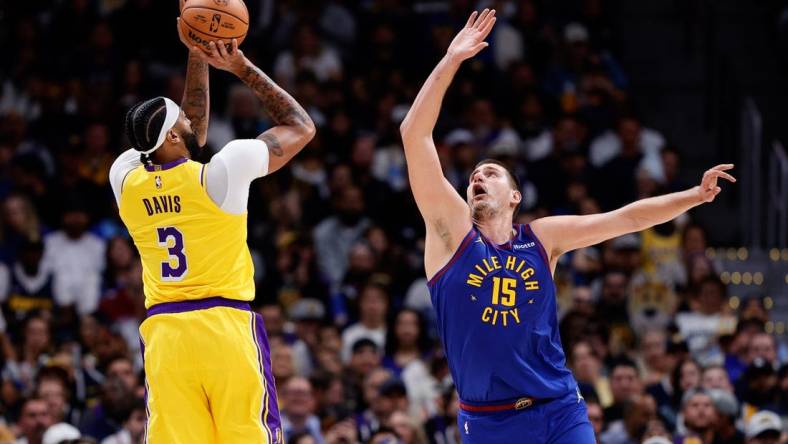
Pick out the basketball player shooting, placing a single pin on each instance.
(491, 281)
(207, 363)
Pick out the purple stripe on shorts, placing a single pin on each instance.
(272, 420)
(197, 304)
(147, 407)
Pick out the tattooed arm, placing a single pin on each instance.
(293, 127)
(196, 98)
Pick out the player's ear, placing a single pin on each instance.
(517, 197)
(172, 136)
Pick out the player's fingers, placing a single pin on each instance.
(487, 27)
(471, 19)
(715, 174)
(235, 46)
(481, 17)
(222, 48)
(479, 47)
(725, 176)
(214, 53)
(723, 167)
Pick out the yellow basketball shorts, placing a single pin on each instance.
(208, 374)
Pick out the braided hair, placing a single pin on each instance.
(143, 124)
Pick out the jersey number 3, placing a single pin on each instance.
(172, 239)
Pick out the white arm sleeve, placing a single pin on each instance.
(126, 162)
(232, 170)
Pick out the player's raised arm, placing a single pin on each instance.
(196, 97)
(445, 214)
(294, 128)
(560, 234)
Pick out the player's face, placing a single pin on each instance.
(490, 192)
(184, 129)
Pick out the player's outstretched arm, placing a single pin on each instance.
(196, 98)
(445, 214)
(560, 234)
(294, 128)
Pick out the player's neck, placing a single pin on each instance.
(168, 153)
(497, 229)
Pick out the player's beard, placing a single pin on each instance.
(190, 140)
(481, 211)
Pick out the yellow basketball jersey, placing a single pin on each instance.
(190, 248)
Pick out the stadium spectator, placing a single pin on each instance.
(34, 420)
(53, 387)
(716, 377)
(587, 369)
(335, 235)
(406, 428)
(25, 286)
(77, 260)
(371, 417)
(373, 303)
(727, 411)
(133, 431)
(625, 383)
(298, 408)
(697, 409)
(764, 428)
(596, 416)
(639, 410)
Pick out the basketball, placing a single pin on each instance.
(204, 21)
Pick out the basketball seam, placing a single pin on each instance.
(217, 10)
(217, 38)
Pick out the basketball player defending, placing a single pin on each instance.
(491, 281)
(207, 363)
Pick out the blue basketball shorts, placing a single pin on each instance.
(562, 420)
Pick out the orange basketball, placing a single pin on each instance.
(204, 21)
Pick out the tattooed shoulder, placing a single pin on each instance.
(274, 147)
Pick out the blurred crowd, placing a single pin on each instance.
(660, 354)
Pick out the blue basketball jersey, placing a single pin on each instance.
(497, 318)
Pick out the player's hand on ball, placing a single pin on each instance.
(468, 42)
(192, 47)
(708, 186)
(220, 57)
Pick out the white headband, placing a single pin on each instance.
(173, 111)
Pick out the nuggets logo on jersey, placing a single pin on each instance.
(504, 289)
